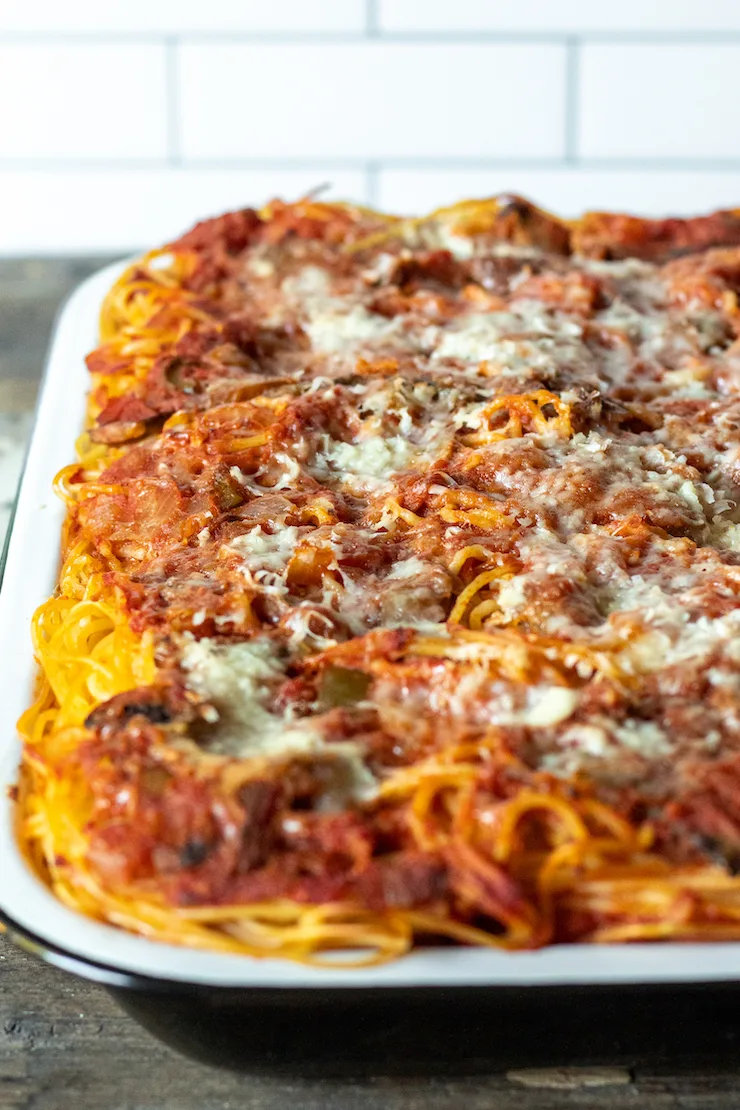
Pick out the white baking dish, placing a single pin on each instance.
(29, 908)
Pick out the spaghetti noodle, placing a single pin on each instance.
(400, 592)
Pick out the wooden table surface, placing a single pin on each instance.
(66, 1045)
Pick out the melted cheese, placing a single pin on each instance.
(581, 746)
(516, 343)
(237, 680)
(265, 556)
(336, 324)
(366, 465)
(547, 706)
(336, 329)
(408, 568)
(269, 550)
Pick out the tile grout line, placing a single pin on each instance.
(172, 94)
(431, 163)
(572, 99)
(373, 171)
(372, 29)
(371, 19)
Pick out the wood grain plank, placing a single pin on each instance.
(65, 1045)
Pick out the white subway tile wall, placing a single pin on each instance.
(88, 102)
(176, 17)
(125, 209)
(372, 100)
(574, 16)
(567, 191)
(123, 122)
(673, 100)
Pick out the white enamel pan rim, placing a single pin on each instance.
(29, 577)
